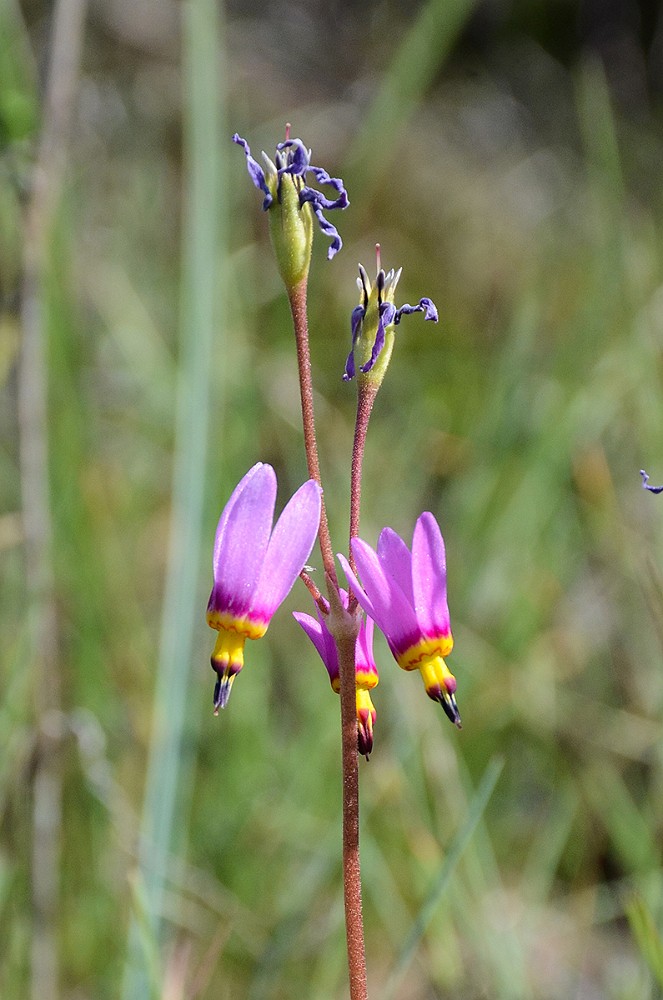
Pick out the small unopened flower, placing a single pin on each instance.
(365, 670)
(405, 593)
(373, 324)
(292, 204)
(255, 566)
(645, 483)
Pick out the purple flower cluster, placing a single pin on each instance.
(403, 591)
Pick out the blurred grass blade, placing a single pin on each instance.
(454, 854)
(647, 936)
(630, 835)
(419, 57)
(180, 610)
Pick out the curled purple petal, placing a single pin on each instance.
(329, 230)
(256, 173)
(645, 480)
(386, 315)
(358, 314)
(310, 194)
(299, 160)
(349, 372)
(426, 306)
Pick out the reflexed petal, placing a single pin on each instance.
(356, 587)
(392, 611)
(289, 548)
(645, 481)
(329, 230)
(323, 642)
(225, 514)
(243, 540)
(426, 306)
(300, 158)
(386, 318)
(310, 194)
(356, 319)
(396, 560)
(429, 577)
(256, 173)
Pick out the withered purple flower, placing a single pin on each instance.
(373, 323)
(287, 175)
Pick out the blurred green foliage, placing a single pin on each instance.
(523, 195)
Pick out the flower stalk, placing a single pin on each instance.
(297, 299)
(344, 626)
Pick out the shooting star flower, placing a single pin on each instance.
(365, 669)
(255, 566)
(405, 593)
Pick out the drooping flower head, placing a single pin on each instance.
(366, 671)
(405, 593)
(292, 204)
(374, 322)
(255, 566)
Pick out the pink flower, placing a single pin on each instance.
(366, 671)
(405, 593)
(255, 566)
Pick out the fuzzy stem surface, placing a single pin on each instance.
(365, 399)
(297, 298)
(345, 627)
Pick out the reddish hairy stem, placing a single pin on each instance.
(365, 399)
(297, 297)
(344, 627)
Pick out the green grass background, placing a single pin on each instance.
(518, 858)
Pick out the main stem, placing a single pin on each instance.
(344, 629)
(354, 923)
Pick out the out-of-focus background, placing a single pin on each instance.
(509, 157)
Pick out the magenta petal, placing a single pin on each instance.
(242, 538)
(396, 560)
(355, 586)
(288, 549)
(429, 577)
(322, 640)
(227, 510)
(392, 611)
